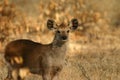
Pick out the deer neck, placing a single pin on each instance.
(59, 48)
(57, 43)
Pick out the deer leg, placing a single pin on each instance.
(46, 74)
(55, 73)
(9, 76)
(56, 78)
(46, 77)
(15, 74)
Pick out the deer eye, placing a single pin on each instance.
(58, 31)
(68, 31)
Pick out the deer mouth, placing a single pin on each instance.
(64, 38)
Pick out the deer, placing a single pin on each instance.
(46, 60)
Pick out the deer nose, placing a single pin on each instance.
(64, 37)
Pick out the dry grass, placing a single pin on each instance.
(94, 49)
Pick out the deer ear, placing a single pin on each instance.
(74, 24)
(50, 24)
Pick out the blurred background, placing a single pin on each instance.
(94, 48)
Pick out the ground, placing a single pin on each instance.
(94, 49)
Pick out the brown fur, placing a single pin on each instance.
(42, 59)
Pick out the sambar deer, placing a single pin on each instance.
(46, 60)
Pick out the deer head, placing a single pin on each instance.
(62, 30)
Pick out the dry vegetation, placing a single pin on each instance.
(94, 49)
